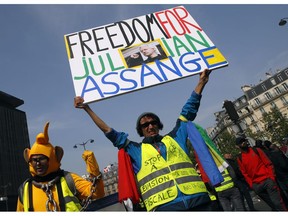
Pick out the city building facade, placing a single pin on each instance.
(256, 100)
(110, 201)
(110, 178)
(14, 138)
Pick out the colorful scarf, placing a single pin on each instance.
(209, 157)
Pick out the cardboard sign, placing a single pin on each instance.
(141, 52)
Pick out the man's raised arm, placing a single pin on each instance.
(204, 78)
(78, 103)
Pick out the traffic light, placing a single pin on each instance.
(230, 109)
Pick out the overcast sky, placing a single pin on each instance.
(34, 67)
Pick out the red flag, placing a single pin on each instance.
(127, 187)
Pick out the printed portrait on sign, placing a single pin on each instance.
(143, 53)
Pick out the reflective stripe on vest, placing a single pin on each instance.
(212, 197)
(26, 197)
(227, 183)
(71, 202)
(159, 179)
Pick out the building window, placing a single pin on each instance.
(273, 105)
(247, 109)
(257, 101)
(277, 90)
(284, 101)
(280, 77)
(264, 87)
(262, 110)
(243, 100)
(273, 81)
(254, 93)
(286, 72)
(257, 128)
(237, 104)
(285, 86)
(251, 118)
(268, 96)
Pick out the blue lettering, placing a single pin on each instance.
(104, 81)
(96, 87)
(175, 69)
(191, 62)
(134, 83)
(143, 75)
(130, 79)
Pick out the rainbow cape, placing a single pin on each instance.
(209, 156)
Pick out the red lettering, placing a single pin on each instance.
(163, 23)
(182, 18)
(176, 20)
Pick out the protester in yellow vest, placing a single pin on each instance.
(228, 194)
(211, 190)
(50, 188)
(166, 177)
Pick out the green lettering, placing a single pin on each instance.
(113, 68)
(179, 44)
(191, 41)
(85, 68)
(102, 66)
(167, 47)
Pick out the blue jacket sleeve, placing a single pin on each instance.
(190, 109)
(120, 140)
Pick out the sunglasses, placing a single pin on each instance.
(38, 160)
(146, 124)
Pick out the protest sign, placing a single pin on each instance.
(114, 59)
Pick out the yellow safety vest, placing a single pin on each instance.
(159, 179)
(212, 197)
(227, 183)
(71, 202)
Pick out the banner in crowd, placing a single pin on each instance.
(137, 53)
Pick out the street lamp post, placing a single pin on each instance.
(84, 143)
(283, 21)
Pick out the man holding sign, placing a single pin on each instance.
(166, 176)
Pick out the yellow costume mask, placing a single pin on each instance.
(42, 146)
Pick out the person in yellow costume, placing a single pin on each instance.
(52, 189)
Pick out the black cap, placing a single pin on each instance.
(259, 143)
(153, 115)
(267, 143)
(240, 140)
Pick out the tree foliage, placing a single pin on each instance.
(275, 127)
(275, 124)
(227, 144)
